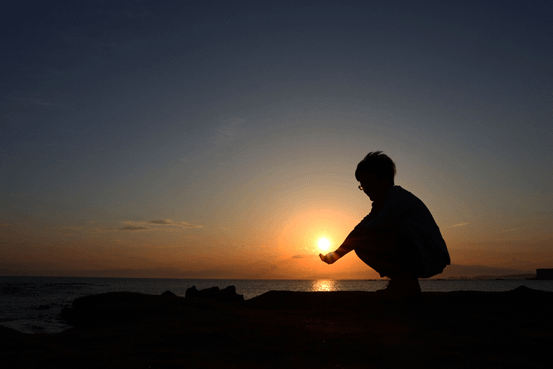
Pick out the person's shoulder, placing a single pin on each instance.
(402, 193)
(409, 197)
(398, 190)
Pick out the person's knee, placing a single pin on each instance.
(385, 266)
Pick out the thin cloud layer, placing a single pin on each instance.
(227, 130)
(460, 225)
(157, 224)
(129, 225)
(133, 228)
(169, 222)
(222, 137)
(160, 221)
(303, 256)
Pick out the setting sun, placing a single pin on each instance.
(323, 244)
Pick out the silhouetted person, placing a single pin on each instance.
(399, 238)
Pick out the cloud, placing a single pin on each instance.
(169, 222)
(156, 224)
(220, 140)
(226, 131)
(188, 225)
(87, 228)
(160, 221)
(459, 225)
(129, 225)
(303, 256)
(133, 228)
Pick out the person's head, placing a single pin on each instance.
(376, 174)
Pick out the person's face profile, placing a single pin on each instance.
(367, 184)
(372, 186)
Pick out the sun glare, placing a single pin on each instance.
(324, 244)
(323, 285)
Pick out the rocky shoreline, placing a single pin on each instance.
(282, 329)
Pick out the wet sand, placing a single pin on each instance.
(282, 329)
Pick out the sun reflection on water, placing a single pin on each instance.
(324, 285)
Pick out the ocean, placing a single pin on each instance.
(33, 304)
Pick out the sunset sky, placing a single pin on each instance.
(219, 139)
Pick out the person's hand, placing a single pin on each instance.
(329, 258)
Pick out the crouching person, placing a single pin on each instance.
(399, 238)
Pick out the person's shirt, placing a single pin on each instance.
(401, 207)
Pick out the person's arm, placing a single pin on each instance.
(394, 210)
(349, 244)
(360, 234)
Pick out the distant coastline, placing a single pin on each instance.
(545, 274)
(490, 277)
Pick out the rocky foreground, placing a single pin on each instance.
(281, 329)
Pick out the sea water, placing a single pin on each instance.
(33, 304)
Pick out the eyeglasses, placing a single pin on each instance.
(360, 187)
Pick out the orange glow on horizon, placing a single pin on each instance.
(313, 231)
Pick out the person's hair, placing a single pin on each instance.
(376, 164)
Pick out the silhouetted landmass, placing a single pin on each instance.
(282, 329)
(458, 271)
(544, 274)
(541, 274)
(493, 277)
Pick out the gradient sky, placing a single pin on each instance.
(219, 139)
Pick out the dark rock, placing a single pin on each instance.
(523, 289)
(525, 292)
(168, 294)
(192, 292)
(42, 307)
(116, 308)
(284, 329)
(7, 334)
(67, 314)
(227, 294)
